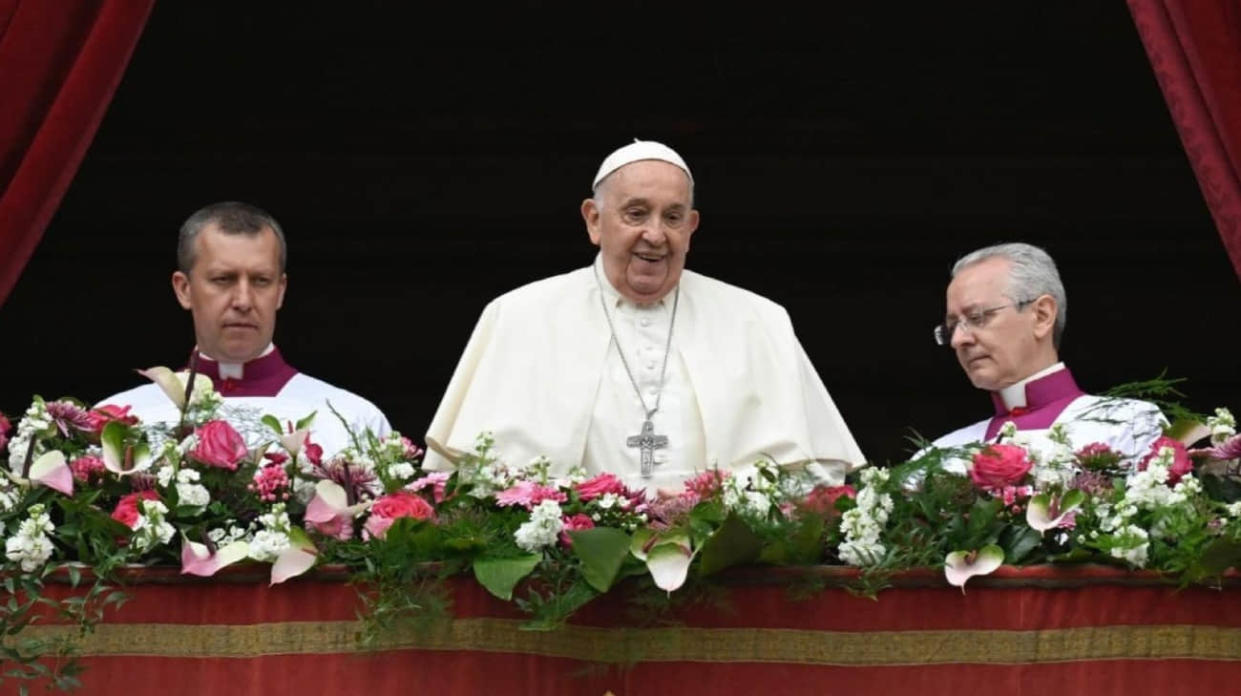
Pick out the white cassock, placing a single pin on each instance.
(1127, 426)
(542, 374)
(267, 386)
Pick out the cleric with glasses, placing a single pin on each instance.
(1006, 313)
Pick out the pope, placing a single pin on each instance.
(636, 366)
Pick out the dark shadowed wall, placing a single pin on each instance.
(421, 167)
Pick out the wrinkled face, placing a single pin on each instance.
(233, 292)
(642, 228)
(1004, 348)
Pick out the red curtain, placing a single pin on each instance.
(1195, 49)
(60, 62)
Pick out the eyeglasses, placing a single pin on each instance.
(972, 321)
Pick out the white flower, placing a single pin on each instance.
(401, 471)
(543, 528)
(1234, 509)
(267, 545)
(9, 495)
(1135, 546)
(30, 546)
(31, 552)
(607, 501)
(757, 504)
(151, 529)
(17, 451)
(164, 476)
(862, 553)
(1223, 426)
(193, 494)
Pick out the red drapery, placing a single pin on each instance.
(60, 62)
(1195, 49)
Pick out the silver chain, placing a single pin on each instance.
(676, 299)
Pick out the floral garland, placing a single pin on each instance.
(99, 489)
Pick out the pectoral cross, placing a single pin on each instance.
(647, 441)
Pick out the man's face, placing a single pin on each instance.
(643, 228)
(233, 292)
(1004, 349)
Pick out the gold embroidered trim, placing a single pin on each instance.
(629, 645)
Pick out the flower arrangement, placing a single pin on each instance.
(95, 488)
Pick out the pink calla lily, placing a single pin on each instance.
(329, 510)
(667, 558)
(197, 559)
(295, 560)
(168, 382)
(960, 566)
(1046, 511)
(51, 470)
(120, 458)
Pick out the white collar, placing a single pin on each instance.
(229, 370)
(1014, 395)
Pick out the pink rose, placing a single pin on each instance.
(394, 506)
(822, 499)
(600, 486)
(100, 416)
(127, 512)
(219, 445)
(999, 466)
(4, 430)
(1181, 463)
(578, 521)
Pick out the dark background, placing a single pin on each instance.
(422, 166)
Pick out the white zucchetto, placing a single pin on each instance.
(637, 151)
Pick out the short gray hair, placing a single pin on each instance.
(230, 217)
(1031, 274)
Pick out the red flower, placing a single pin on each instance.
(313, 452)
(219, 445)
(1098, 455)
(102, 415)
(127, 512)
(600, 486)
(4, 430)
(999, 466)
(578, 521)
(823, 499)
(707, 484)
(1181, 463)
(394, 506)
(276, 458)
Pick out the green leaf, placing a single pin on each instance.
(1220, 555)
(637, 546)
(271, 422)
(1225, 490)
(602, 550)
(1018, 542)
(734, 543)
(501, 575)
(305, 422)
(982, 520)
